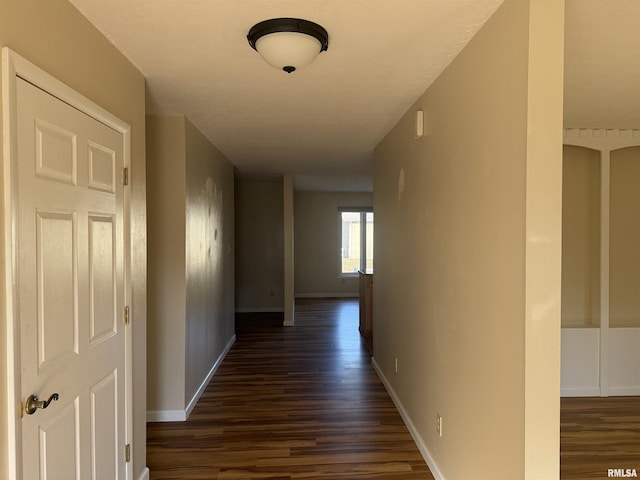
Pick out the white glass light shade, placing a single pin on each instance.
(288, 49)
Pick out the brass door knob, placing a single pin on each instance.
(33, 403)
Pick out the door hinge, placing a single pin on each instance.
(125, 176)
(126, 315)
(127, 453)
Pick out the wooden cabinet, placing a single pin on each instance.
(366, 307)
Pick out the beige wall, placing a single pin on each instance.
(209, 255)
(54, 36)
(580, 237)
(259, 256)
(624, 255)
(317, 242)
(191, 320)
(459, 215)
(166, 197)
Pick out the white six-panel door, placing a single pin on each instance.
(70, 289)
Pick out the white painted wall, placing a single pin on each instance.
(580, 362)
(623, 361)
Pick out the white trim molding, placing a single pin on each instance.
(212, 372)
(15, 66)
(182, 415)
(580, 392)
(624, 391)
(261, 310)
(422, 447)
(145, 474)
(601, 361)
(166, 415)
(601, 138)
(328, 295)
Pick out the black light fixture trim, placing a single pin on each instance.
(276, 25)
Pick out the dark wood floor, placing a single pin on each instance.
(597, 434)
(304, 402)
(291, 403)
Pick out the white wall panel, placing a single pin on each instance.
(580, 364)
(624, 361)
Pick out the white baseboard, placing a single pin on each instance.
(624, 391)
(327, 295)
(144, 475)
(260, 310)
(580, 392)
(209, 376)
(182, 415)
(166, 415)
(424, 451)
(595, 392)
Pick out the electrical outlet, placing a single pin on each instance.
(439, 424)
(396, 364)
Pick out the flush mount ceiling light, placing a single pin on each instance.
(288, 43)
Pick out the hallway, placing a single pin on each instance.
(289, 403)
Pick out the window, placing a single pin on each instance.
(356, 250)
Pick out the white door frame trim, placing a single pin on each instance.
(14, 66)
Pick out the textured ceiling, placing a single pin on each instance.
(321, 123)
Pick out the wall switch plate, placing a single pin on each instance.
(419, 125)
(439, 424)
